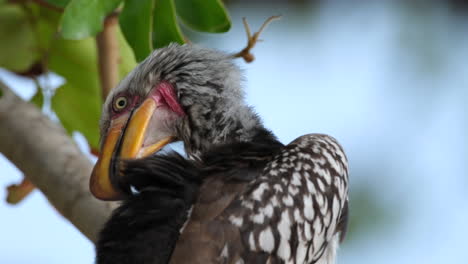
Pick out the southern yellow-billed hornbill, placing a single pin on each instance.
(240, 197)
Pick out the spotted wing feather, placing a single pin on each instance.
(296, 210)
(293, 211)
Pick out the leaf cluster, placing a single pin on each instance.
(146, 24)
(59, 36)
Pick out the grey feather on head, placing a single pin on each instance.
(208, 87)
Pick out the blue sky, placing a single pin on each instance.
(388, 83)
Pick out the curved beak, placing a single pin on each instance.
(125, 140)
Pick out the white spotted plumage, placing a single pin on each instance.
(301, 196)
(236, 220)
(266, 240)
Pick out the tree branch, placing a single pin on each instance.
(51, 160)
(108, 54)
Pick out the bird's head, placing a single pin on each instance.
(179, 93)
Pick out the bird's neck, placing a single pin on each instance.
(241, 125)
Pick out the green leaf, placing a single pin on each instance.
(26, 37)
(204, 15)
(78, 110)
(135, 22)
(165, 27)
(78, 102)
(26, 33)
(18, 50)
(38, 99)
(58, 3)
(84, 18)
(46, 25)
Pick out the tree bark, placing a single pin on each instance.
(50, 159)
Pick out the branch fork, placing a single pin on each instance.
(252, 39)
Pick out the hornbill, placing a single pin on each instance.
(238, 196)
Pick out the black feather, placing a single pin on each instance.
(239, 161)
(145, 228)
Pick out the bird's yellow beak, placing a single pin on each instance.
(124, 141)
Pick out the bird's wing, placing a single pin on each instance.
(293, 211)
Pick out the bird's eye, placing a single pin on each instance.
(120, 103)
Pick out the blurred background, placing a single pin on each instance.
(388, 79)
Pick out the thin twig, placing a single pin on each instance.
(17, 192)
(252, 39)
(108, 55)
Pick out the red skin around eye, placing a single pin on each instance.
(164, 94)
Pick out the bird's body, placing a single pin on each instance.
(278, 212)
(239, 197)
